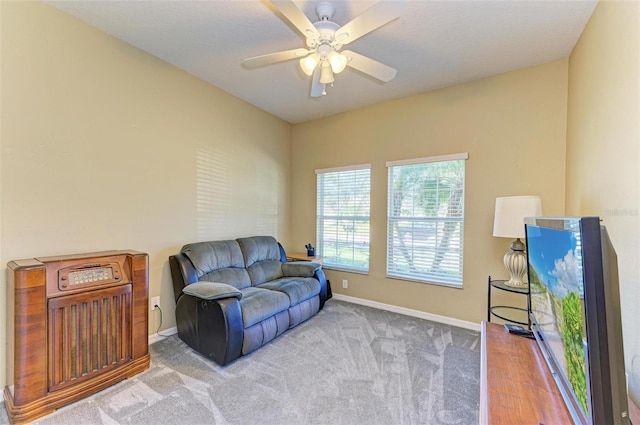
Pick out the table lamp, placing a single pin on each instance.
(509, 223)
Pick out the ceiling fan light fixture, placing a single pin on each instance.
(326, 75)
(325, 39)
(338, 62)
(309, 63)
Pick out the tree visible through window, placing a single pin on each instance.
(426, 219)
(343, 217)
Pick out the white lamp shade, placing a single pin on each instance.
(510, 212)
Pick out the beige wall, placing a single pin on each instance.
(106, 147)
(603, 149)
(512, 125)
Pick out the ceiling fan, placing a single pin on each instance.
(323, 58)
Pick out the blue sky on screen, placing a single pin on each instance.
(553, 255)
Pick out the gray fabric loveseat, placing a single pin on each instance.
(234, 296)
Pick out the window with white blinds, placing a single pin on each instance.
(425, 231)
(343, 217)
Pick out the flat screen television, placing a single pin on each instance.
(575, 315)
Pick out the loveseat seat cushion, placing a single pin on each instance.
(258, 304)
(297, 288)
(261, 258)
(218, 261)
(302, 311)
(262, 332)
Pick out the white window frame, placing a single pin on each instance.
(418, 250)
(355, 228)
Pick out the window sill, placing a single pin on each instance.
(448, 285)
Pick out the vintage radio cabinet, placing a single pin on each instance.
(76, 325)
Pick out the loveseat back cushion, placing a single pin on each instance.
(231, 276)
(298, 289)
(261, 258)
(218, 261)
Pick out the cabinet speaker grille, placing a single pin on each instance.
(89, 334)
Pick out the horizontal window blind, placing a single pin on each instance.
(426, 220)
(343, 200)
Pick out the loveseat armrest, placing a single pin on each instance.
(309, 269)
(212, 290)
(182, 273)
(213, 328)
(299, 269)
(325, 289)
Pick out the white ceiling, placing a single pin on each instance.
(434, 44)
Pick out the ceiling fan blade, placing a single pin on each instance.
(372, 18)
(317, 88)
(290, 11)
(369, 66)
(270, 58)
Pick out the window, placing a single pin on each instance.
(343, 217)
(426, 219)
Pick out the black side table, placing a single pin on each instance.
(503, 311)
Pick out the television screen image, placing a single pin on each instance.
(557, 301)
(574, 308)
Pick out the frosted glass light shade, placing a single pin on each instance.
(338, 62)
(309, 63)
(326, 76)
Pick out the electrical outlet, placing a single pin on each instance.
(345, 283)
(155, 303)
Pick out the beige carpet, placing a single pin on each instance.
(349, 364)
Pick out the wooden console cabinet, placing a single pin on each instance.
(516, 386)
(76, 325)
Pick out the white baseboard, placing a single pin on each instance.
(163, 334)
(409, 312)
